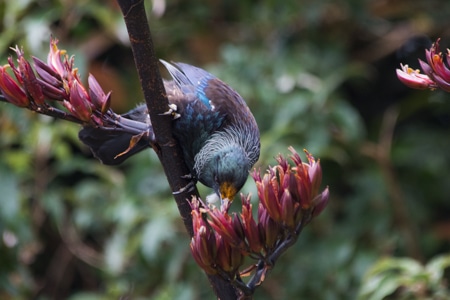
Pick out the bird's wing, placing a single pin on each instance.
(207, 105)
(214, 94)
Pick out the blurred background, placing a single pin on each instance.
(317, 74)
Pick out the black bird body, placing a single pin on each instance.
(217, 132)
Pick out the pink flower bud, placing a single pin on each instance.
(320, 202)
(250, 227)
(437, 73)
(413, 78)
(223, 224)
(54, 59)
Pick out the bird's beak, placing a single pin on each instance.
(227, 191)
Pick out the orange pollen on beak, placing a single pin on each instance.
(227, 191)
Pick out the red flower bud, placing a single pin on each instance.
(11, 90)
(100, 101)
(30, 81)
(320, 202)
(285, 191)
(203, 243)
(229, 258)
(80, 105)
(47, 73)
(203, 249)
(250, 227)
(224, 225)
(268, 193)
(287, 210)
(52, 92)
(269, 230)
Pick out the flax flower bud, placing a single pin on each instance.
(203, 243)
(437, 72)
(11, 90)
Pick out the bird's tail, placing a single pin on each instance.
(113, 146)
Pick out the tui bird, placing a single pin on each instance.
(217, 132)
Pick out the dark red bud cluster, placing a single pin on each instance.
(289, 197)
(56, 80)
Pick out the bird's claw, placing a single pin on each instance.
(172, 111)
(188, 188)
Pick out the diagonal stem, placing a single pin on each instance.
(165, 145)
(147, 66)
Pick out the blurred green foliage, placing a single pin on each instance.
(405, 278)
(317, 74)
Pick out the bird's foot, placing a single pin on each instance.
(187, 176)
(187, 188)
(172, 111)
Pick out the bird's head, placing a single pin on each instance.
(226, 171)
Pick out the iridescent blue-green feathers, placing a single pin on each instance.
(216, 130)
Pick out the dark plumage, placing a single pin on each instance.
(216, 130)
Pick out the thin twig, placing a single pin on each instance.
(50, 111)
(381, 153)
